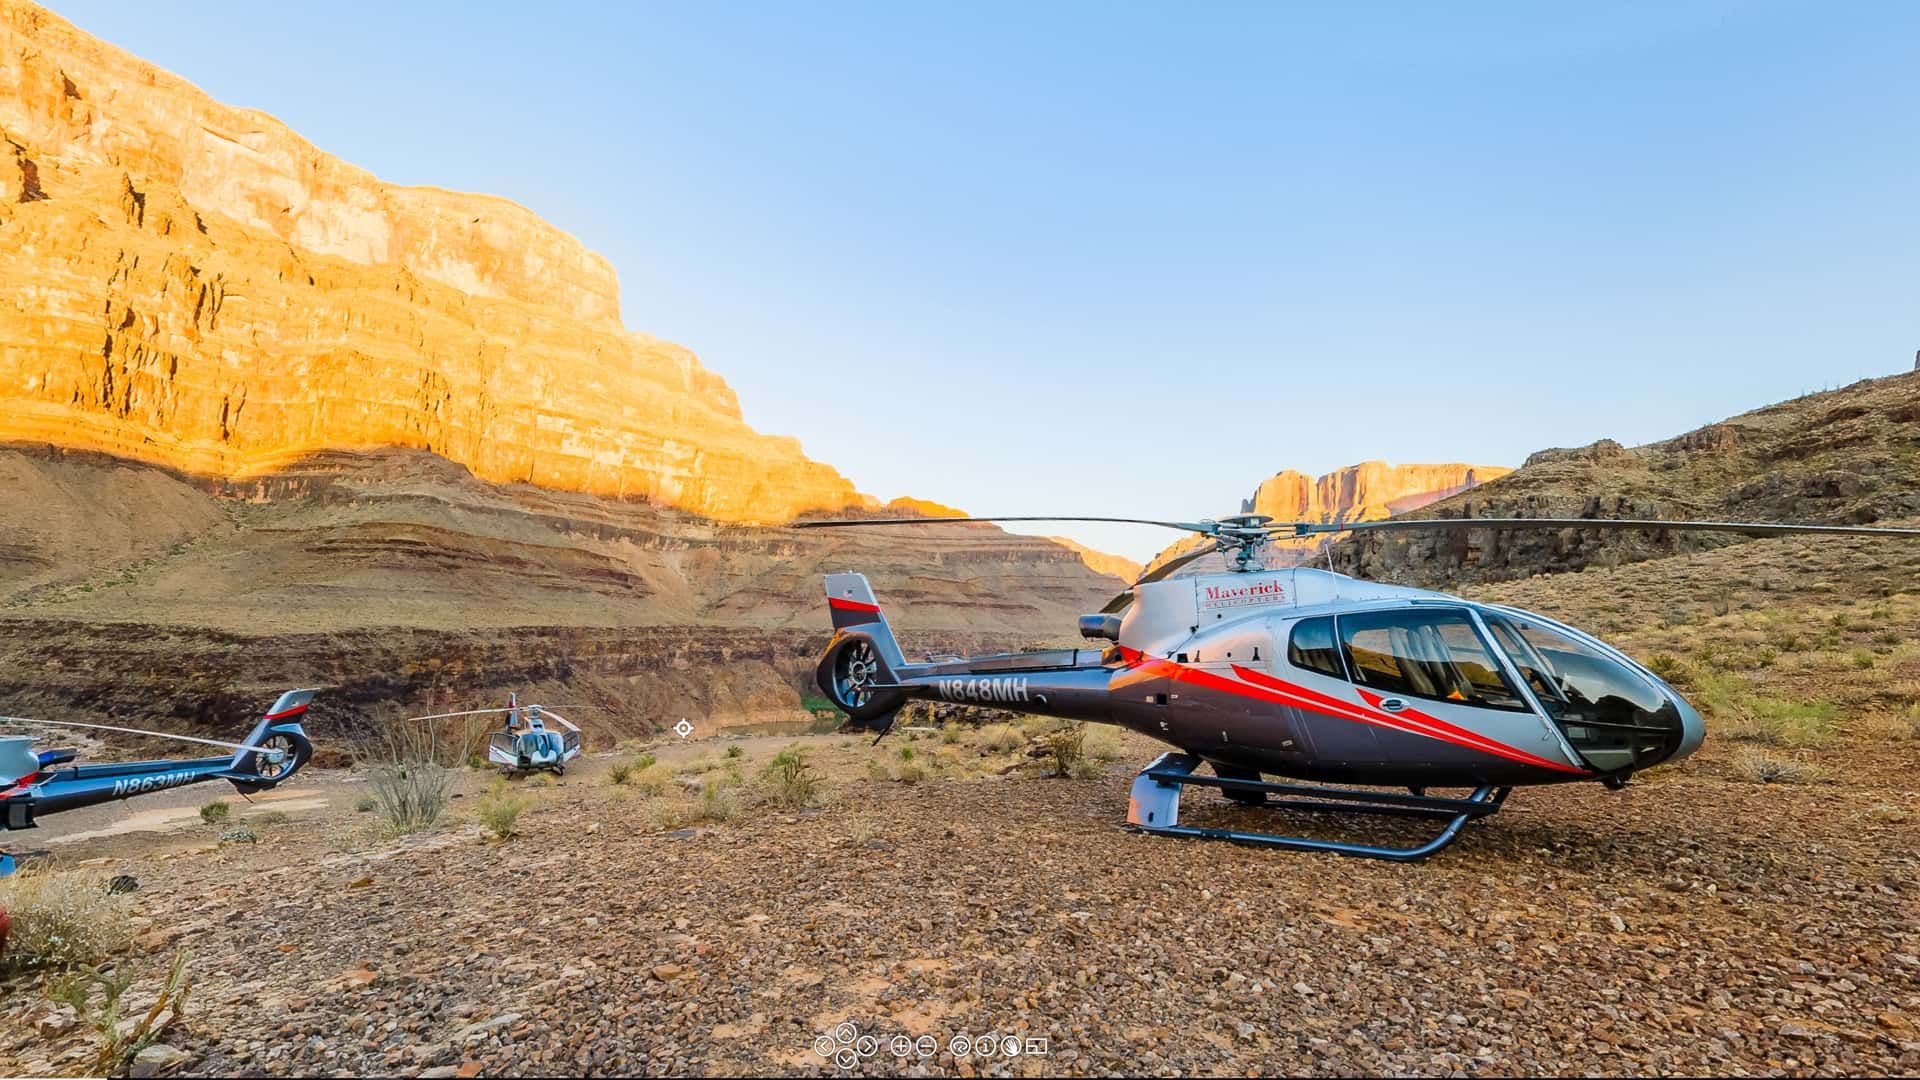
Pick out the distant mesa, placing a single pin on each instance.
(1369, 491)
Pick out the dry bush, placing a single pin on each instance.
(1103, 743)
(410, 770)
(1067, 745)
(215, 812)
(1889, 813)
(1761, 767)
(1003, 739)
(61, 919)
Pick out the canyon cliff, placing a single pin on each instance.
(267, 421)
(195, 286)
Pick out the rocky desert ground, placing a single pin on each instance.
(946, 885)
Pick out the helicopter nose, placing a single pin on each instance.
(1693, 729)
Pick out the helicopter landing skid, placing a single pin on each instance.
(1154, 807)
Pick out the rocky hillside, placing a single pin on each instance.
(194, 285)
(1369, 491)
(1847, 456)
(399, 580)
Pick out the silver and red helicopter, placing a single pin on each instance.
(1310, 675)
(35, 783)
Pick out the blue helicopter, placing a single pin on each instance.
(35, 783)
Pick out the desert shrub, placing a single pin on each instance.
(907, 753)
(540, 780)
(476, 762)
(61, 919)
(1084, 770)
(1103, 743)
(910, 773)
(411, 773)
(950, 733)
(239, 834)
(715, 804)
(877, 770)
(1761, 767)
(1067, 746)
(500, 811)
(1003, 739)
(1740, 711)
(790, 779)
(215, 812)
(862, 832)
(735, 751)
(645, 762)
(649, 781)
(365, 804)
(412, 794)
(621, 773)
(272, 817)
(95, 997)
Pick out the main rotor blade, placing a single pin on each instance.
(1204, 528)
(1751, 528)
(132, 731)
(549, 714)
(468, 712)
(1166, 569)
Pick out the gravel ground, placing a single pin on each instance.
(1690, 924)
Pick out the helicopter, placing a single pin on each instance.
(35, 783)
(1309, 675)
(525, 744)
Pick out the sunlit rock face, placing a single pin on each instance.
(1369, 491)
(195, 286)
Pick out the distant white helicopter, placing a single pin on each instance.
(525, 744)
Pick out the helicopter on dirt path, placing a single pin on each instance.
(525, 744)
(1311, 675)
(35, 783)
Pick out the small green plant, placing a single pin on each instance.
(645, 762)
(476, 762)
(1862, 659)
(500, 811)
(950, 733)
(907, 753)
(95, 997)
(734, 752)
(910, 773)
(790, 779)
(621, 773)
(215, 812)
(365, 804)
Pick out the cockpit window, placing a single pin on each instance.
(1613, 716)
(1432, 653)
(1311, 648)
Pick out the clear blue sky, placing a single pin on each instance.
(1130, 260)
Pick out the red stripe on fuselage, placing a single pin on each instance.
(1263, 687)
(837, 604)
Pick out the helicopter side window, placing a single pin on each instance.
(1434, 654)
(1310, 647)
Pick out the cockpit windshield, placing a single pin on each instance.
(1612, 714)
